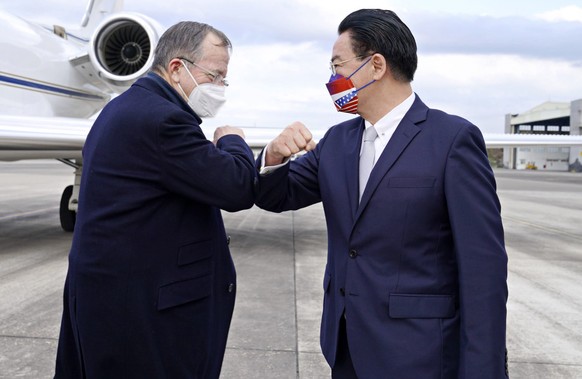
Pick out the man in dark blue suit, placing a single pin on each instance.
(151, 284)
(415, 282)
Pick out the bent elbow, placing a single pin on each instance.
(240, 205)
(243, 199)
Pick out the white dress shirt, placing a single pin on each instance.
(386, 126)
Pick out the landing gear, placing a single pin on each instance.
(70, 197)
(68, 217)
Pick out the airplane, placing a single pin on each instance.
(54, 80)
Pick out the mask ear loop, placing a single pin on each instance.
(189, 73)
(191, 76)
(183, 93)
(358, 69)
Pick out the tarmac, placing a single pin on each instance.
(280, 259)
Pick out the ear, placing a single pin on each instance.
(379, 65)
(174, 68)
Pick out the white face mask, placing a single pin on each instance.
(205, 99)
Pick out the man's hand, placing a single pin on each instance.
(222, 131)
(295, 138)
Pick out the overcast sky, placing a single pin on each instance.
(477, 59)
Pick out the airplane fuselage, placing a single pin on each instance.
(37, 77)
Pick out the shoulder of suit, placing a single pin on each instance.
(446, 119)
(353, 123)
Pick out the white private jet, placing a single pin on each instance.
(52, 80)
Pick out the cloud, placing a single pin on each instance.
(480, 67)
(272, 88)
(470, 34)
(48, 12)
(275, 84)
(569, 13)
(249, 22)
(484, 88)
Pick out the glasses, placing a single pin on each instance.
(333, 66)
(216, 78)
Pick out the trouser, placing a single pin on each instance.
(343, 368)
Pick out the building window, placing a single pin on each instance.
(524, 128)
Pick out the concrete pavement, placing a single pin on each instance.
(280, 260)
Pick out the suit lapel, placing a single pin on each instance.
(403, 135)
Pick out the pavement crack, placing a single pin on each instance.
(10, 336)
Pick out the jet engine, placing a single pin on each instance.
(122, 48)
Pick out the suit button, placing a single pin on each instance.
(353, 254)
(230, 287)
(342, 291)
(228, 240)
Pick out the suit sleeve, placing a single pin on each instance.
(475, 215)
(292, 186)
(223, 175)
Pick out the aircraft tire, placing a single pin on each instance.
(68, 217)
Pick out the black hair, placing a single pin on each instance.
(382, 31)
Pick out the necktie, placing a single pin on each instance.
(367, 157)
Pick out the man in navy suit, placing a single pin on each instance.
(415, 282)
(151, 284)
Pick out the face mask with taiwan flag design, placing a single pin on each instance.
(343, 92)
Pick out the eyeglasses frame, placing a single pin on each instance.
(216, 78)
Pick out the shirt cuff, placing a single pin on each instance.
(266, 170)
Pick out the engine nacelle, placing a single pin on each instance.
(122, 47)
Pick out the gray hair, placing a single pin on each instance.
(184, 39)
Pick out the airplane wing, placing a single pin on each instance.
(23, 137)
(521, 140)
(257, 138)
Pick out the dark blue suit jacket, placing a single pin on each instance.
(151, 284)
(419, 266)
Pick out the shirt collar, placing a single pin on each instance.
(388, 123)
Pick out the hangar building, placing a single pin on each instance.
(547, 118)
